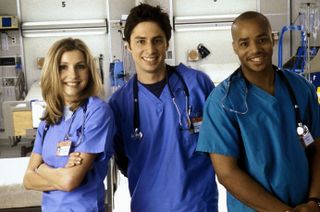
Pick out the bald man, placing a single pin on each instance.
(261, 127)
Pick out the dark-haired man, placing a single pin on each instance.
(159, 112)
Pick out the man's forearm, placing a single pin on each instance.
(251, 193)
(313, 152)
(244, 187)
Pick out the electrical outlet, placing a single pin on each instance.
(13, 40)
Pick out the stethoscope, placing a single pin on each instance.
(137, 134)
(301, 128)
(81, 131)
(67, 135)
(229, 82)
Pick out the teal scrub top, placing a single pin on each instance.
(245, 122)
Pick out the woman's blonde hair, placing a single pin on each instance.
(51, 84)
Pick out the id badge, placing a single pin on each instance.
(63, 148)
(305, 135)
(307, 139)
(196, 123)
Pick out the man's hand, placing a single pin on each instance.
(306, 207)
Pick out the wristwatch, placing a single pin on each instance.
(314, 199)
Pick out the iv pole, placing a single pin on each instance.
(308, 68)
(309, 26)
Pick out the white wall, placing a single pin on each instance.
(210, 7)
(46, 10)
(8, 7)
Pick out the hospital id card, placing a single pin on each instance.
(196, 123)
(63, 148)
(305, 135)
(307, 139)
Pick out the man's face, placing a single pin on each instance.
(148, 46)
(252, 42)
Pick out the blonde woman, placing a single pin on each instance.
(74, 139)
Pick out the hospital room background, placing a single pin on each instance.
(201, 39)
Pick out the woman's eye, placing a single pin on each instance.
(80, 67)
(62, 67)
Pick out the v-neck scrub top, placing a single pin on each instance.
(99, 130)
(164, 171)
(263, 139)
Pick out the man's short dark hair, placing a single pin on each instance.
(143, 13)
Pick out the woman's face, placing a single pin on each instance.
(74, 74)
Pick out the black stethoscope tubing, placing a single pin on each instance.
(290, 90)
(84, 107)
(292, 97)
(137, 134)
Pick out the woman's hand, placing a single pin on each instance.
(74, 160)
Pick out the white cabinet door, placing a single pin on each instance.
(48, 10)
(211, 7)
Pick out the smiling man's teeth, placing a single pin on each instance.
(256, 59)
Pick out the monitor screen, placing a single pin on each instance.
(6, 22)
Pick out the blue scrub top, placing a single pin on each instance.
(164, 171)
(99, 130)
(263, 138)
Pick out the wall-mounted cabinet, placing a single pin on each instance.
(212, 7)
(48, 10)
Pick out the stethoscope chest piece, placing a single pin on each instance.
(137, 134)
